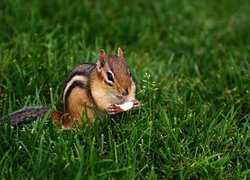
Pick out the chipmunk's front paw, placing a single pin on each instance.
(118, 108)
(114, 109)
(136, 104)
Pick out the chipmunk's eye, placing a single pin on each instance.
(110, 77)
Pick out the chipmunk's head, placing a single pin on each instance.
(115, 74)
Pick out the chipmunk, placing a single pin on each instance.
(90, 89)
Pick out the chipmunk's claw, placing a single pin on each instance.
(114, 109)
(136, 104)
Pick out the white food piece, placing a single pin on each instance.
(127, 105)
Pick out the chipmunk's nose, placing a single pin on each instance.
(125, 93)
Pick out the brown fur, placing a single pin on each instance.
(78, 101)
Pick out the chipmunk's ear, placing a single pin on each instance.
(120, 53)
(102, 59)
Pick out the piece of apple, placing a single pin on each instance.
(126, 106)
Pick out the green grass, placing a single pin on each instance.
(191, 64)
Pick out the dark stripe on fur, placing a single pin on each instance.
(82, 70)
(82, 86)
(72, 86)
(24, 115)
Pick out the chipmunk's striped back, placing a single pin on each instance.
(78, 78)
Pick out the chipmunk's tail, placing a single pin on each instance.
(26, 115)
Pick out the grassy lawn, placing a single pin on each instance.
(191, 63)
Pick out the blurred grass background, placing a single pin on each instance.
(190, 60)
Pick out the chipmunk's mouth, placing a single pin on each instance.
(119, 97)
